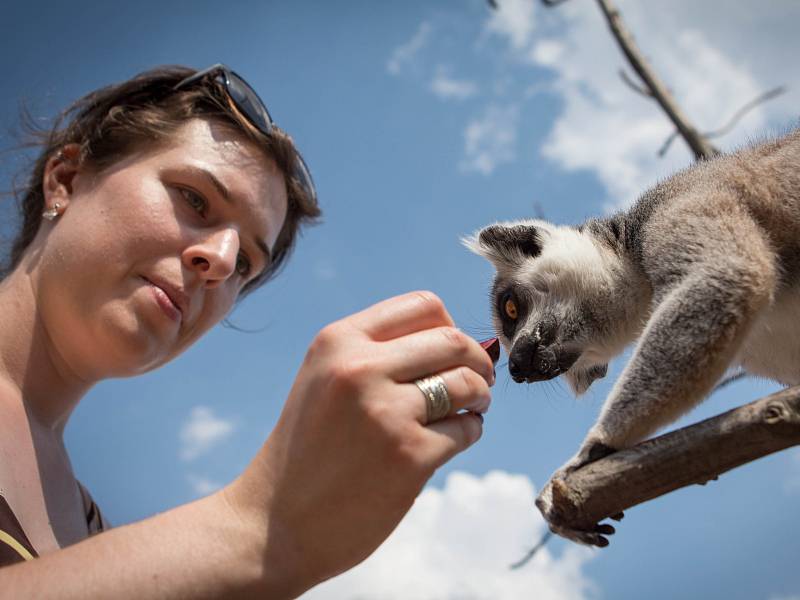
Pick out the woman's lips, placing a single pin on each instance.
(163, 299)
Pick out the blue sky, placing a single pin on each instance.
(421, 122)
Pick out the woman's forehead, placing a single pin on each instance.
(221, 143)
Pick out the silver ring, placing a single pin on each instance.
(437, 400)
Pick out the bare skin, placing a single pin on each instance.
(348, 455)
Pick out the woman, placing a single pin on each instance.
(158, 204)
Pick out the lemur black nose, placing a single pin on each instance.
(514, 368)
(520, 359)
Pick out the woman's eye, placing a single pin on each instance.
(510, 308)
(243, 265)
(195, 201)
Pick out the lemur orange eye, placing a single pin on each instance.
(511, 309)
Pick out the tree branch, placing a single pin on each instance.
(701, 147)
(694, 454)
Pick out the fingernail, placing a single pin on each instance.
(480, 416)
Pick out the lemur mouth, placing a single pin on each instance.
(546, 368)
(537, 377)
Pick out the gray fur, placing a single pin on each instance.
(704, 271)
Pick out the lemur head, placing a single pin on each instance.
(551, 300)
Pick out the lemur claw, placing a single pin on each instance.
(596, 537)
(591, 537)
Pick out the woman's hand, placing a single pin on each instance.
(351, 450)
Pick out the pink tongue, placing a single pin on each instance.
(492, 347)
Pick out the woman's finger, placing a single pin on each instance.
(466, 390)
(446, 438)
(401, 316)
(432, 351)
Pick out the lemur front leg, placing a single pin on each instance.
(689, 342)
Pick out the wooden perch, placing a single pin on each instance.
(694, 454)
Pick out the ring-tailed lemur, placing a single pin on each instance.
(704, 270)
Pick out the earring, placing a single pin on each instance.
(52, 213)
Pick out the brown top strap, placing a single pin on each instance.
(14, 544)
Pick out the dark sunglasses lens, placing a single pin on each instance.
(249, 103)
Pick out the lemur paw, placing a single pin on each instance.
(594, 536)
(589, 453)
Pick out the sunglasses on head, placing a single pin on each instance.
(248, 103)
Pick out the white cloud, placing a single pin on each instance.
(445, 87)
(513, 20)
(491, 140)
(202, 431)
(458, 542)
(547, 52)
(405, 54)
(202, 486)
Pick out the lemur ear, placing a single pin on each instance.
(580, 379)
(506, 245)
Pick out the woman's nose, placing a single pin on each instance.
(214, 257)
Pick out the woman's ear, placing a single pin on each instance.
(59, 173)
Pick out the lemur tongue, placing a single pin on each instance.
(492, 347)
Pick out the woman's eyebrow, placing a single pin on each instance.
(223, 191)
(214, 180)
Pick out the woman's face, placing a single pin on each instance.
(153, 251)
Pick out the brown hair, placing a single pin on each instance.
(116, 121)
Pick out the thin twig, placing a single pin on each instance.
(532, 552)
(639, 89)
(667, 143)
(773, 93)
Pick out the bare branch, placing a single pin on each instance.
(553, 2)
(638, 88)
(695, 454)
(701, 147)
(773, 93)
